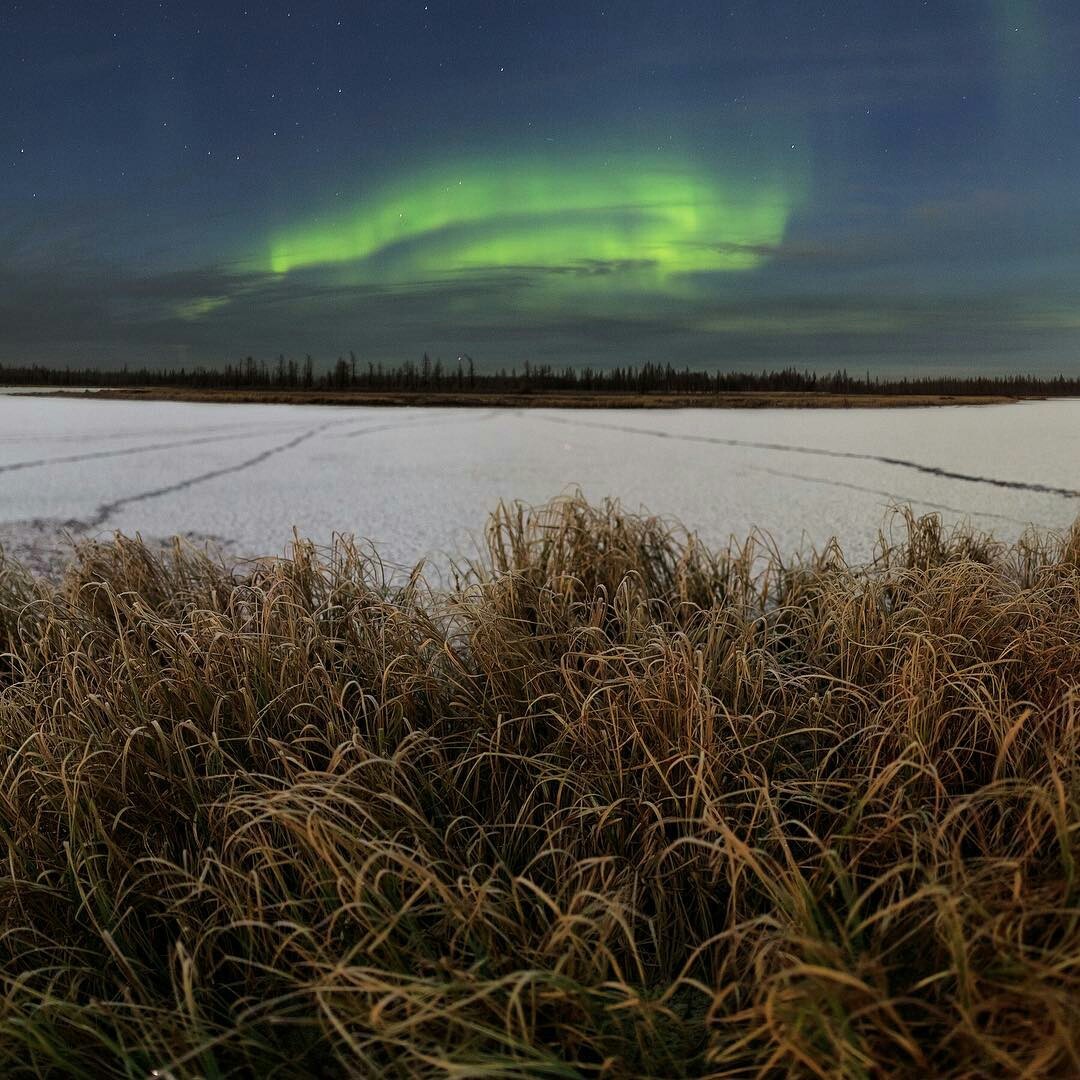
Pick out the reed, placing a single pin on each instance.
(613, 805)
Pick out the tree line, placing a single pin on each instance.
(462, 376)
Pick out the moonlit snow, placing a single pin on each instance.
(420, 482)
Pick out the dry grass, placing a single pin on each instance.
(617, 806)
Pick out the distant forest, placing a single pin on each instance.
(432, 376)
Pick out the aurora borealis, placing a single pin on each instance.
(661, 218)
(736, 185)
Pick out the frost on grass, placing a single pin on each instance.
(613, 805)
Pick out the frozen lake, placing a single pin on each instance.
(421, 481)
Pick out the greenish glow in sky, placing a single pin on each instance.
(200, 307)
(647, 219)
(739, 184)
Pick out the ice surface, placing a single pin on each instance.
(421, 481)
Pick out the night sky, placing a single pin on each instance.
(884, 184)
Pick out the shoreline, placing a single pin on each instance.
(46, 547)
(749, 399)
(612, 766)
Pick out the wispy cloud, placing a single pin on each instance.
(184, 317)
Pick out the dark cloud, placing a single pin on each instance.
(182, 317)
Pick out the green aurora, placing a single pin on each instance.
(653, 223)
(746, 185)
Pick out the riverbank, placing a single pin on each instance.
(578, 399)
(615, 806)
(48, 548)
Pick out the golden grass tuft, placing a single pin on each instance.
(613, 806)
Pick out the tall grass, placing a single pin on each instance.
(614, 806)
